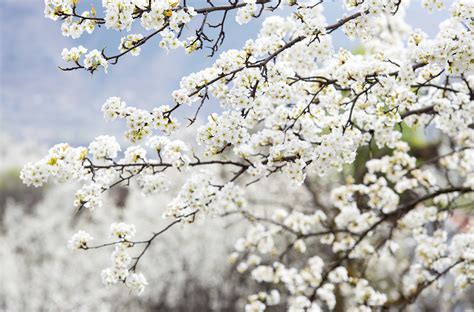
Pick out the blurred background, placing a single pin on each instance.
(40, 106)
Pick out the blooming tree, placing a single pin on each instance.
(343, 128)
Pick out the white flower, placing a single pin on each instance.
(114, 108)
(242, 267)
(79, 240)
(136, 282)
(113, 275)
(462, 246)
(180, 97)
(130, 42)
(273, 298)
(74, 54)
(118, 14)
(255, 306)
(173, 152)
(135, 154)
(157, 143)
(104, 147)
(244, 14)
(35, 174)
(94, 60)
(300, 246)
(120, 258)
(153, 183)
(122, 231)
(263, 273)
(89, 196)
(338, 275)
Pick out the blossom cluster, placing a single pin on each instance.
(93, 60)
(121, 261)
(130, 42)
(163, 16)
(63, 163)
(295, 108)
(140, 122)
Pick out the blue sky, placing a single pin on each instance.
(38, 102)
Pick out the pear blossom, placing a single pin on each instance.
(347, 167)
(79, 240)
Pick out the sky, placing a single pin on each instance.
(40, 103)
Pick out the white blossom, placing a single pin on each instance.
(79, 240)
